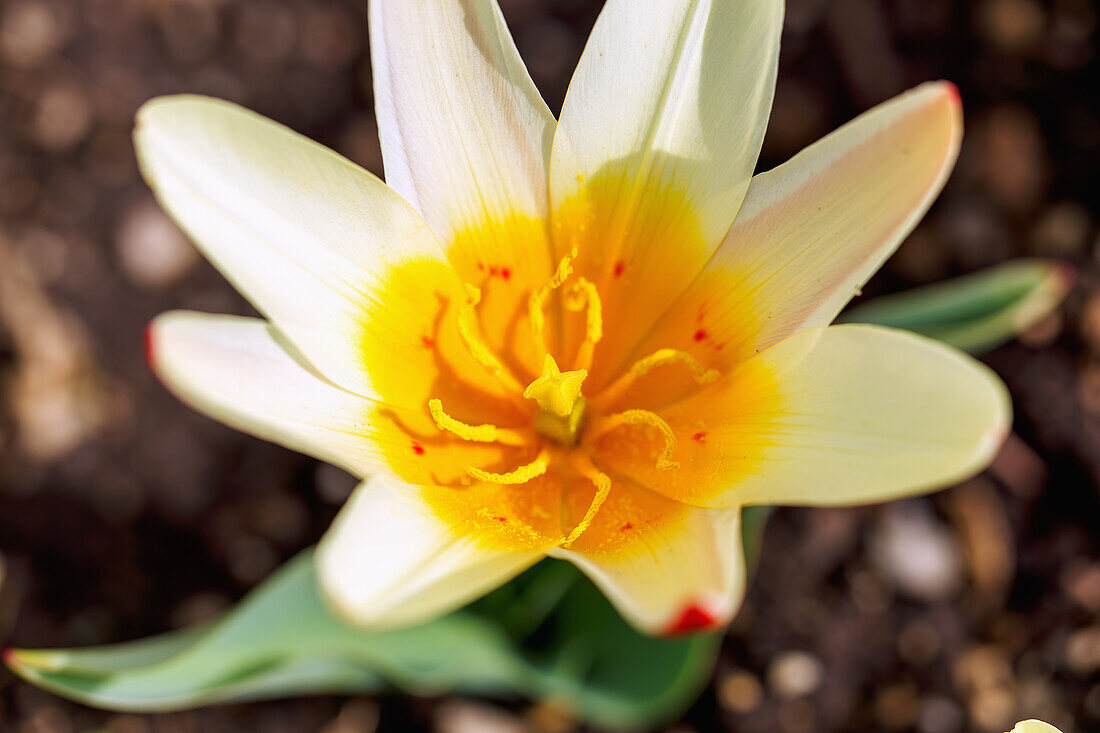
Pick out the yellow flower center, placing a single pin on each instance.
(561, 431)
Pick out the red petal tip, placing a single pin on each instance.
(8, 657)
(693, 618)
(953, 92)
(150, 355)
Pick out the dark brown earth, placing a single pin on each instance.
(123, 514)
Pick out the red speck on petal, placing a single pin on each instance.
(693, 618)
(700, 437)
(418, 449)
(150, 355)
(427, 342)
(502, 519)
(481, 266)
(493, 270)
(506, 273)
(620, 268)
(700, 335)
(626, 527)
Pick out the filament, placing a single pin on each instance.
(659, 358)
(521, 475)
(537, 302)
(475, 433)
(483, 355)
(582, 295)
(642, 417)
(603, 488)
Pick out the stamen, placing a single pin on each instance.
(483, 355)
(659, 358)
(475, 433)
(584, 294)
(537, 301)
(642, 417)
(603, 488)
(521, 475)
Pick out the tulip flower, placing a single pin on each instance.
(595, 337)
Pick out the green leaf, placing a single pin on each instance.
(549, 635)
(613, 675)
(279, 640)
(977, 312)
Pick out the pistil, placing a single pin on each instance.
(562, 407)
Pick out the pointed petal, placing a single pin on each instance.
(300, 231)
(388, 561)
(814, 230)
(839, 415)
(465, 135)
(668, 568)
(672, 91)
(658, 139)
(234, 370)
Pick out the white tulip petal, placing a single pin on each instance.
(300, 231)
(678, 90)
(234, 370)
(388, 561)
(830, 416)
(813, 231)
(465, 134)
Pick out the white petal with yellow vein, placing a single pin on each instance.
(812, 231)
(868, 414)
(300, 231)
(837, 415)
(672, 90)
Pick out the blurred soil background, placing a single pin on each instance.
(123, 513)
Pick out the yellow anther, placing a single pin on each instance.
(556, 391)
(584, 294)
(642, 417)
(603, 488)
(659, 358)
(468, 332)
(475, 433)
(521, 475)
(537, 301)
